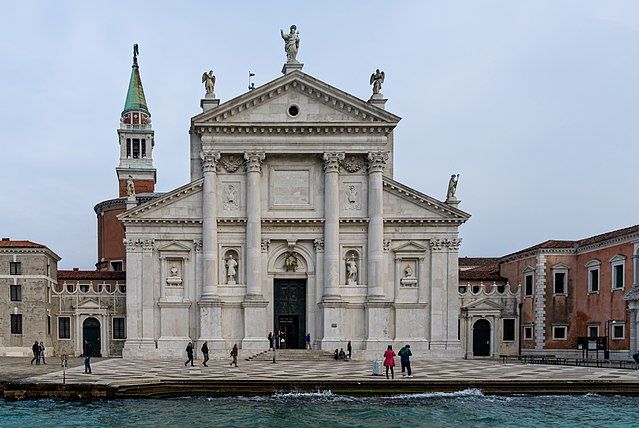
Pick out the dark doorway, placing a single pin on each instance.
(290, 311)
(481, 338)
(91, 333)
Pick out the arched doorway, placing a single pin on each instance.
(91, 333)
(481, 338)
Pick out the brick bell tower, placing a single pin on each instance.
(136, 137)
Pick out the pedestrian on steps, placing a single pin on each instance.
(349, 349)
(41, 353)
(234, 353)
(404, 355)
(389, 361)
(205, 352)
(189, 354)
(36, 353)
(307, 339)
(271, 341)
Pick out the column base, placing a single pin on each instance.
(138, 348)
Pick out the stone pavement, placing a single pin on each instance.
(119, 372)
(17, 368)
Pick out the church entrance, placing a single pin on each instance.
(290, 311)
(481, 338)
(91, 333)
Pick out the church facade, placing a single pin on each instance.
(291, 222)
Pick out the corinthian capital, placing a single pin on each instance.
(332, 160)
(377, 161)
(254, 161)
(209, 160)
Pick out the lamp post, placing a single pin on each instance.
(607, 349)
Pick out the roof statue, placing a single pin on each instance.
(377, 79)
(291, 44)
(452, 188)
(136, 52)
(209, 83)
(130, 187)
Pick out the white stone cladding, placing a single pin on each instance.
(300, 202)
(540, 302)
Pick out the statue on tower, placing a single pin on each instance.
(291, 44)
(130, 187)
(377, 79)
(209, 83)
(136, 52)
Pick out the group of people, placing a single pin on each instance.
(205, 353)
(279, 340)
(404, 356)
(38, 353)
(344, 356)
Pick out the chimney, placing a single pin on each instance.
(6, 239)
(76, 269)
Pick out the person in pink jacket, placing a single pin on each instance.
(389, 361)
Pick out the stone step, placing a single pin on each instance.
(292, 355)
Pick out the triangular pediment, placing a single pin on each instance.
(410, 247)
(317, 102)
(174, 246)
(88, 304)
(402, 202)
(484, 304)
(181, 204)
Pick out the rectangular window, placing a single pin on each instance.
(529, 285)
(16, 324)
(136, 148)
(48, 324)
(15, 268)
(509, 330)
(118, 329)
(143, 147)
(528, 332)
(559, 332)
(128, 148)
(593, 331)
(617, 277)
(560, 283)
(16, 292)
(116, 266)
(593, 281)
(618, 331)
(64, 328)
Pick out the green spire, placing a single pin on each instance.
(135, 100)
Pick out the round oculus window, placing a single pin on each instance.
(293, 110)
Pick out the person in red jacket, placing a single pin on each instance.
(389, 361)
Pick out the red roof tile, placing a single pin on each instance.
(608, 235)
(488, 272)
(476, 261)
(7, 243)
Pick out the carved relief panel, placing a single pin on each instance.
(353, 196)
(231, 196)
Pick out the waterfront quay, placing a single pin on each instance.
(124, 378)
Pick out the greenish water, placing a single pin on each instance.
(468, 408)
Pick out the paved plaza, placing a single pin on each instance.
(119, 372)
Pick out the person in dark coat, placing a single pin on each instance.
(234, 354)
(270, 341)
(41, 353)
(88, 351)
(36, 353)
(349, 349)
(404, 355)
(189, 354)
(205, 353)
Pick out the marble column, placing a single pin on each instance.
(253, 222)
(209, 303)
(331, 225)
(254, 305)
(376, 163)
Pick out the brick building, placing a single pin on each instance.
(27, 274)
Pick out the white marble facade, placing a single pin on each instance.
(301, 196)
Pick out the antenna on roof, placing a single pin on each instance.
(251, 85)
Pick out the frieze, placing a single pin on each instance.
(139, 244)
(353, 163)
(231, 163)
(441, 244)
(197, 245)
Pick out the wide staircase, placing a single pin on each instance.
(292, 355)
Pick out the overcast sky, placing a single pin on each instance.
(534, 103)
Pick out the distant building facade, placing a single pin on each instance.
(27, 276)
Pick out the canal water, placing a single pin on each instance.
(469, 408)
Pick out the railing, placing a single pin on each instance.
(584, 362)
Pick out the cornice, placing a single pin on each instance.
(424, 199)
(285, 128)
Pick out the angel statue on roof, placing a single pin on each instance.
(291, 44)
(209, 82)
(377, 79)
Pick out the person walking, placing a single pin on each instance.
(234, 353)
(404, 355)
(389, 361)
(271, 343)
(349, 349)
(307, 339)
(36, 353)
(41, 353)
(189, 354)
(87, 350)
(205, 352)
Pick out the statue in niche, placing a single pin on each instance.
(452, 187)
(351, 270)
(409, 278)
(352, 197)
(231, 270)
(290, 263)
(291, 44)
(230, 196)
(174, 271)
(209, 83)
(377, 79)
(130, 187)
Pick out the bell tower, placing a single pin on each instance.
(136, 137)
